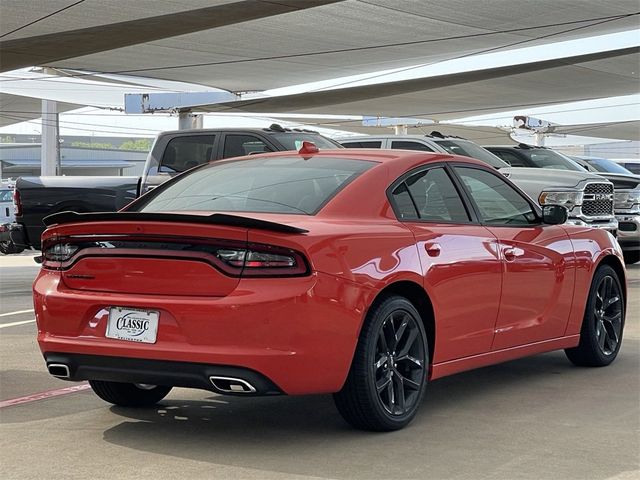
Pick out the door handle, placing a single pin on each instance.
(509, 254)
(433, 249)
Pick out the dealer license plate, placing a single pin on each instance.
(133, 325)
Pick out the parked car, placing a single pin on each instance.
(600, 165)
(269, 274)
(626, 202)
(633, 165)
(551, 187)
(172, 153)
(7, 217)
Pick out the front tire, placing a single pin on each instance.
(129, 394)
(603, 323)
(631, 257)
(388, 375)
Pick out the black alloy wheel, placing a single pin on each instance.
(388, 375)
(603, 324)
(399, 365)
(607, 314)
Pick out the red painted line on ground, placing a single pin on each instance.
(44, 395)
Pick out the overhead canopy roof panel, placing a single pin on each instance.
(16, 109)
(456, 95)
(289, 47)
(615, 130)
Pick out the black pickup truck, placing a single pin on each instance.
(172, 153)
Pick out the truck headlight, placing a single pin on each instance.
(565, 199)
(626, 199)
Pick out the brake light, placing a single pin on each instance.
(269, 261)
(17, 204)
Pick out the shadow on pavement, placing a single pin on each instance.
(464, 417)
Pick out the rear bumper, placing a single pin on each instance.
(156, 372)
(300, 333)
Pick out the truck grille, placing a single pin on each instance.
(598, 199)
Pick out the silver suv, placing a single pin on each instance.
(587, 197)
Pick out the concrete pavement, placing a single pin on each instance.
(535, 418)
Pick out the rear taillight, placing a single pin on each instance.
(17, 204)
(263, 261)
(233, 258)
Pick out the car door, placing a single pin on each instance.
(459, 259)
(538, 280)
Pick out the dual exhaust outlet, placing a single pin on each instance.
(221, 384)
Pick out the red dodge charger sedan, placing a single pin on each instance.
(363, 273)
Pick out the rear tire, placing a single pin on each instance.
(388, 375)
(129, 394)
(603, 323)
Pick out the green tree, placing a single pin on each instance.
(98, 146)
(143, 144)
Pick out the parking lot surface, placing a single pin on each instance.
(534, 418)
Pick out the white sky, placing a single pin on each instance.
(96, 122)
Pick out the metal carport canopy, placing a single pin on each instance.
(16, 109)
(456, 95)
(254, 45)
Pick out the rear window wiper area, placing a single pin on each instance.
(215, 219)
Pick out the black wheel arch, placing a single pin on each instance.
(419, 298)
(618, 266)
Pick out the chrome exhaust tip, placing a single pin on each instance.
(231, 385)
(59, 370)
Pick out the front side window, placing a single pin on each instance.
(293, 140)
(429, 195)
(511, 158)
(497, 201)
(185, 152)
(271, 185)
(241, 145)
(365, 144)
(409, 145)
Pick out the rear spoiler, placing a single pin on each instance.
(215, 219)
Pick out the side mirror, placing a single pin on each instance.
(554, 214)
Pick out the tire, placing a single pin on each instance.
(129, 394)
(631, 257)
(399, 367)
(603, 323)
(8, 248)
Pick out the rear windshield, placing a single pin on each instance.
(470, 149)
(293, 140)
(271, 185)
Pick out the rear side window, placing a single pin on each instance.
(367, 144)
(408, 145)
(429, 195)
(183, 153)
(271, 185)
